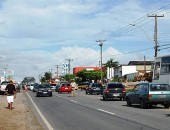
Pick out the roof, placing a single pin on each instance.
(140, 62)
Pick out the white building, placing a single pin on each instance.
(130, 68)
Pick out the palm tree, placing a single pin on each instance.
(111, 63)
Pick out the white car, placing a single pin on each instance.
(3, 86)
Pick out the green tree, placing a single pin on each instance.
(111, 63)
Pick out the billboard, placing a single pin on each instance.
(8, 73)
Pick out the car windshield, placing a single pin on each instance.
(4, 83)
(97, 85)
(115, 86)
(159, 87)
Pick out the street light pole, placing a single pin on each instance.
(101, 44)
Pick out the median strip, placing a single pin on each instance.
(106, 111)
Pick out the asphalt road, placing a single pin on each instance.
(90, 112)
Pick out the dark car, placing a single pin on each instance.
(44, 90)
(114, 90)
(148, 94)
(57, 87)
(35, 87)
(94, 88)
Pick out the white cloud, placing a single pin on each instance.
(37, 35)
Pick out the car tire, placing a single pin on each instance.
(129, 104)
(143, 104)
(105, 98)
(37, 95)
(120, 99)
(166, 106)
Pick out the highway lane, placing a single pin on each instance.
(89, 112)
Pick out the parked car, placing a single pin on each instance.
(57, 87)
(83, 85)
(44, 90)
(148, 94)
(114, 90)
(94, 88)
(65, 87)
(3, 86)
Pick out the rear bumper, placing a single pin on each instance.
(44, 93)
(115, 95)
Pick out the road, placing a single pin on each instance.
(90, 112)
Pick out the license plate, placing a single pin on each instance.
(116, 94)
(162, 96)
(44, 92)
(66, 88)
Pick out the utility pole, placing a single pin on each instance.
(101, 44)
(144, 64)
(57, 69)
(51, 71)
(156, 32)
(69, 60)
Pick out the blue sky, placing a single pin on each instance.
(36, 35)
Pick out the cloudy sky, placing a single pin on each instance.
(36, 35)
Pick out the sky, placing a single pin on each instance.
(37, 35)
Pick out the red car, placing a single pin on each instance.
(65, 87)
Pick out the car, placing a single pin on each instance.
(44, 90)
(35, 87)
(31, 87)
(57, 87)
(94, 88)
(3, 86)
(65, 87)
(114, 90)
(149, 94)
(83, 85)
(53, 86)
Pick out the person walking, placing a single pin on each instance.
(11, 94)
(73, 86)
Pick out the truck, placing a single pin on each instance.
(161, 69)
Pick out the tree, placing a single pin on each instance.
(111, 63)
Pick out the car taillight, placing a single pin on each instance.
(107, 91)
(149, 95)
(123, 90)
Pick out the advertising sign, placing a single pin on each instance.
(8, 73)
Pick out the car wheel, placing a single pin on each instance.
(129, 104)
(166, 106)
(86, 92)
(37, 95)
(120, 99)
(105, 98)
(143, 104)
(51, 95)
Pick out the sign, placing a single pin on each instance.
(8, 73)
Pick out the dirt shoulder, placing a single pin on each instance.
(20, 118)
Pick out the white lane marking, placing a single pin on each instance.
(106, 111)
(73, 101)
(58, 96)
(41, 115)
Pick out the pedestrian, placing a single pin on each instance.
(11, 94)
(73, 86)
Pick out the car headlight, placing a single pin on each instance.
(49, 90)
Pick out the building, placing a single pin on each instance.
(78, 69)
(133, 67)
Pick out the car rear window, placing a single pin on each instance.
(97, 85)
(65, 85)
(159, 87)
(115, 85)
